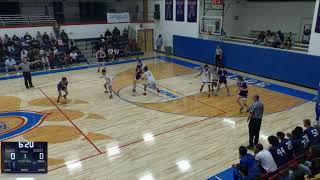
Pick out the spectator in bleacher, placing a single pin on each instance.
(287, 143)
(39, 36)
(10, 63)
(1, 44)
(260, 39)
(281, 36)
(159, 43)
(247, 160)
(108, 35)
(268, 40)
(35, 43)
(278, 151)
(15, 40)
(51, 58)
(311, 132)
(125, 33)
(276, 42)
(8, 44)
(264, 157)
(74, 57)
(45, 62)
(218, 56)
(24, 54)
(287, 44)
(27, 37)
(45, 37)
(116, 33)
(56, 30)
(64, 37)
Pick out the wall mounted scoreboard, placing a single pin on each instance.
(24, 157)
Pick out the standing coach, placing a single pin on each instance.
(26, 71)
(254, 121)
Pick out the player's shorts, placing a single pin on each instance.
(223, 80)
(243, 94)
(218, 57)
(151, 84)
(61, 89)
(205, 82)
(215, 82)
(137, 77)
(108, 85)
(100, 59)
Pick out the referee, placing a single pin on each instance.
(254, 121)
(26, 71)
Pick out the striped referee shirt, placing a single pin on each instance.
(257, 109)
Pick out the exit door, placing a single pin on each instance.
(145, 40)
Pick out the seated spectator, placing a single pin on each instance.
(64, 37)
(39, 36)
(268, 40)
(15, 40)
(51, 58)
(45, 37)
(276, 42)
(260, 39)
(287, 143)
(27, 38)
(287, 44)
(278, 151)
(8, 44)
(281, 36)
(247, 160)
(265, 159)
(10, 63)
(108, 35)
(67, 60)
(116, 52)
(45, 62)
(125, 33)
(304, 138)
(311, 132)
(74, 57)
(24, 54)
(35, 43)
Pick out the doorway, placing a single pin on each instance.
(145, 40)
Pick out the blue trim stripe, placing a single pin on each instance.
(224, 175)
(31, 120)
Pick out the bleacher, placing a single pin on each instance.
(35, 19)
(297, 46)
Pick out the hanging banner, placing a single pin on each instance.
(179, 10)
(118, 17)
(169, 10)
(192, 10)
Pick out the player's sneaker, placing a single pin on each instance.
(110, 96)
(144, 94)
(241, 109)
(64, 96)
(106, 92)
(158, 90)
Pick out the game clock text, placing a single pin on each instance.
(24, 157)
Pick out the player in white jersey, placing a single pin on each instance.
(205, 78)
(108, 84)
(150, 81)
(215, 80)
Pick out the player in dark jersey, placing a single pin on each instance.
(137, 74)
(223, 79)
(62, 86)
(277, 151)
(242, 93)
(311, 132)
(287, 143)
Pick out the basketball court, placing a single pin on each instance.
(178, 133)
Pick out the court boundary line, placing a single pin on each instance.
(63, 114)
(141, 140)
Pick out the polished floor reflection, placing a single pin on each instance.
(177, 134)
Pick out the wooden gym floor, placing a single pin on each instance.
(177, 134)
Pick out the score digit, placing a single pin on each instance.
(26, 144)
(13, 156)
(41, 156)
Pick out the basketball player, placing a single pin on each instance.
(223, 79)
(110, 53)
(108, 84)
(62, 86)
(215, 80)
(242, 93)
(150, 81)
(137, 75)
(205, 78)
(100, 55)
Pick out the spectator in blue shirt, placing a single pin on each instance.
(247, 160)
